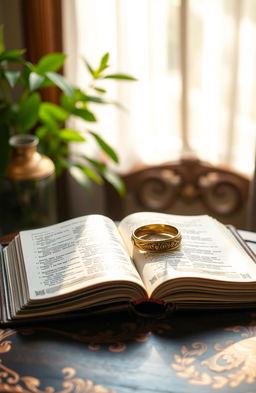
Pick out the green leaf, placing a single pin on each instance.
(47, 83)
(80, 177)
(45, 116)
(120, 76)
(108, 175)
(12, 55)
(94, 99)
(35, 81)
(69, 135)
(61, 82)
(2, 46)
(96, 73)
(115, 180)
(105, 147)
(89, 68)
(12, 77)
(81, 97)
(28, 112)
(91, 174)
(24, 78)
(100, 90)
(84, 114)
(67, 102)
(97, 164)
(54, 111)
(29, 67)
(103, 63)
(51, 62)
(41, 132)
(4, 149)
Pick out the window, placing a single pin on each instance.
(196, 64)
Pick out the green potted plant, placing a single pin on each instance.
(22, 111)
(27, 113)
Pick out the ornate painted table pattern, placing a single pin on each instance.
(189, 352)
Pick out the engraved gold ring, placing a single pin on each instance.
(167, 238)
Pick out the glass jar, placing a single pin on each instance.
(27, 195)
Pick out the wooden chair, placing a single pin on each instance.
(188, 186)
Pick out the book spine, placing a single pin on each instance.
(148, 300)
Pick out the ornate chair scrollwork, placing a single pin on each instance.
(188, 186)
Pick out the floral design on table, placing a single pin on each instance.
(11, 381)
(232, 364)
(235, 361)
(115, 340)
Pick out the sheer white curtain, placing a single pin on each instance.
(195, 62)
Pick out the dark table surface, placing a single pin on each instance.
(188, 352)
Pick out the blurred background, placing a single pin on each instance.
(190, 117)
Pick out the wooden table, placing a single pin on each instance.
(188, 352)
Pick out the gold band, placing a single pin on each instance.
(171, 241)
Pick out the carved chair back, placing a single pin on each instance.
(188, 186)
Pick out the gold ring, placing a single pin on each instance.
(170, 237)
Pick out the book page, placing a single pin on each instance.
(207, 251)
(79, 252)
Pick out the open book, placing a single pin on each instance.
(89, 263)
